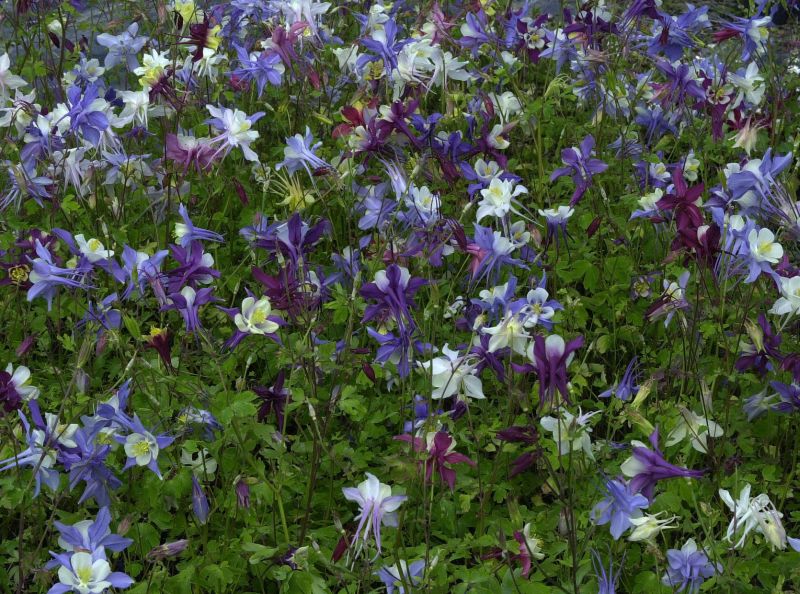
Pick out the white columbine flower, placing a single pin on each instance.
(451, 375)
(200, 462)
(143, 447)
(757, 514)
(8, 81)
(62, 432)
(20, 378)
(93, 249)
(748, 84)
(87, 576)
(789, 302)
(698, 427)
(497, 198)
(648, 526)
(254, 317)
(763, 247)
(509, 332)
(571, 432)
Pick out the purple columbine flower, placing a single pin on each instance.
(393, 290)
(527, 435)
(688, 568)
(188, 303)
(647, 466)
(273, 400)
(24, 183)
(789, 395)
(199, 501)
(83, 115)
(299, 154)
(264, 67)
(753, 30)
(292, 239)
(619, 507)
(550, 357)
(580, 165)
(377, 506)
(438, 447)
(627, 387)
(190, 151)
(186, 232)
(140, 269)
(765, 346)
(194, 268)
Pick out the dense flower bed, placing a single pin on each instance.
(304, 296)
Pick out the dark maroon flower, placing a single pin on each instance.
(526, 435)
(440, 456)
(551, 357)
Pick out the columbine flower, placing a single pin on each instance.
(557, 222)
(647, 466)
(530, 547)
(671, 300)
(607, 581)
(299, 154)
(648, 526)
(571, 432)
(188, 303)
(619, 508)
(186, 232)
(550, 358)
(509, 332)
(439, 446)
(92, 249)
(40, 453)
(84, 574)
(627, 387)
(581, 166)
(757, 514)
(453, 375)
(142, 447)
(255, 317)
(123, 47)
(688, 568)
(15, 387)
(236, 130)
(8, 81)
(199, 501)
(699, 427)
(763, 251)
(789, 302)
(377, 506)
(498, 198)
(394, 576)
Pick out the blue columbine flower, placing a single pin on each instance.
(299, 154)
(619, 507)
(123, 47)
(627, 387)
(688, 568)
(84, 117)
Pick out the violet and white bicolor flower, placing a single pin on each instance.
(556, 220)
(549, 358)
(688, 568)
(188, 302)
(186, 232)
(85, 573)
(19, 379)
(142, 447)
(377, 506)
(92, 536)
(762, 253)
(647, 466)
(40, 453)
(255, 317)
(235, 128)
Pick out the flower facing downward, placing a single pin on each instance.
(377, 506)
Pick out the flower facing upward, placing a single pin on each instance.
(688, 568)
(255, 317)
